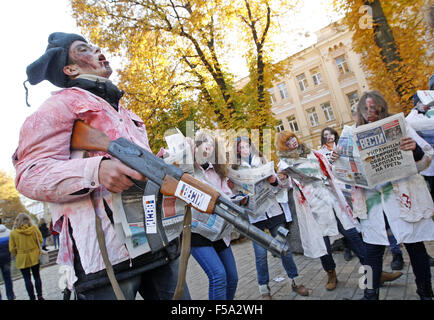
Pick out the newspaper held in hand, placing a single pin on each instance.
(299, 175)
(370, 154)
(253, 182)
(178, 151)
(426, 97)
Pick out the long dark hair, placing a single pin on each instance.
(253, 152)
(332, 131)
(379, 100)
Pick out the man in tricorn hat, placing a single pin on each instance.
(46, 172)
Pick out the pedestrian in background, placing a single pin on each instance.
(44, 231)
(24, 244)
(5, 261)
(55, 236)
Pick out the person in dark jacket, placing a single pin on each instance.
(5, 261)
(44, 231)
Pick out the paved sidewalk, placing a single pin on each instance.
(311, 275)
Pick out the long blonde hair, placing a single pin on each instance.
(21, 220)
(219, 151)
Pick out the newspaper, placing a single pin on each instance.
(253, 182)
(178, 152)
(426, 97)
(299, 175)
(370, 155)
(129, 214)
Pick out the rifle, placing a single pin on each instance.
(170, 180)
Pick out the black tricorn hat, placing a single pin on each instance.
(50, 65)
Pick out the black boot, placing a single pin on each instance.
(425, 292)
(371, 294)
(397, 262)
(347, 254)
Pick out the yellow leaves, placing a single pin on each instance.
(410, 40)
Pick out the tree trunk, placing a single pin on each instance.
(384, 39)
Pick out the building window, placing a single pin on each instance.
(313, 117)
(328, 111)
(302, 82)
(353, 98)
(272, 96)
(316, 76)
(342, 65)
(293, 123)
(280, 127)
(283, 90)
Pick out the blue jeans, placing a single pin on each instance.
(6, 273)
(56, 241)
(262, 263)
(221, 270)
(156, 284)
(28, 281)
(354, 242)
(395, 248)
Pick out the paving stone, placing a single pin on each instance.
(312, 276)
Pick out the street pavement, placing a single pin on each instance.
(311, 275)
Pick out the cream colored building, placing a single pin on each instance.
(324, 83)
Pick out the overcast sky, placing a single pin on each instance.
(25, 26)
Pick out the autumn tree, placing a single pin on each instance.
(393, 40)
(176, 57)
(10, 203)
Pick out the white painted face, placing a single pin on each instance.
(292, 143)
(244, 149)
(205, 149)
(88, 60)
(330, 137)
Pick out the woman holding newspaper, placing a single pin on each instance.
(405, 205)
(323, 214)
(211, 234)
(273, 218)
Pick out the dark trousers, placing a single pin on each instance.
(418, 258)
(430, 181)
(28, 281)
(6, 273)
(156, 284)
(354, 242)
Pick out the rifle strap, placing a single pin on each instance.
(185, 254)
(102, 247)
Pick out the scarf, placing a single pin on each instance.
(301, 152)
(102, 87)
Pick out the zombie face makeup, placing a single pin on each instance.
(292, 143)
(88, 59)
(244, 149)
(205, 150)
(329, 137)
(370, 111)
